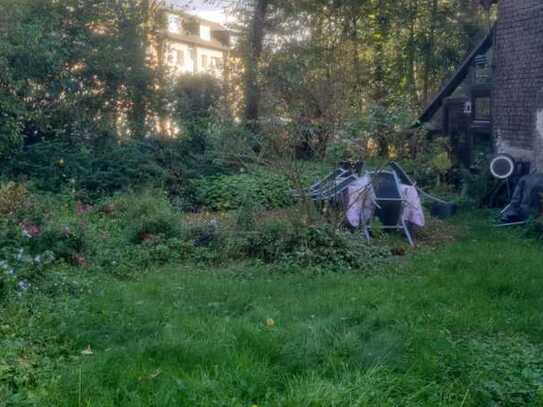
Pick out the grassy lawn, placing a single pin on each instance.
(458, 326)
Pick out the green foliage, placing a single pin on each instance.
(129, 233)
(370, 68)
(66, 242)
(285, 240)
(478, 184)
(56, 166)
(95, 172)
(451, 326)
(62, 79)
(331, 249)
(22, 273)
(13, 199)
(228, 192)
(150, 216)
(10, 128)
(379, 131)
(197, 96)
(431, 165)
(122, 235)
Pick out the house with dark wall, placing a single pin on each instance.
(494, 102)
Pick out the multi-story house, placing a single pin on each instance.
(192, 45)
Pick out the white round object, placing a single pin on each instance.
(502, 166)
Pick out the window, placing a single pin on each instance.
(205, 32)
(204, 61)
(483, 109)
(482, 69)
(216, 62)
(180, 57)
(174, 24)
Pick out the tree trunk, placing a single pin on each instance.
(429, 51)
(380, 95)
(254, 51)
(356, 56)
(411, 77)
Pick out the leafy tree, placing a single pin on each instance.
(76, 71)
(323, 63)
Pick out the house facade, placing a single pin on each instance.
(494, 102)
(192, 45)
(518, 80)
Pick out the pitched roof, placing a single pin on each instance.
(212, 24)
(456, 79)
(194, 37)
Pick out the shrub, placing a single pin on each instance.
(168, 251)
(11, 137)
(53, 166)
(158, 226)
(478, 185)
(281, 240)
(100, 171)
(14, 198)
(229, 192)
(66, 242)
(196, 96)
(323, 246)
(150, 216)
(20, 271)
(272, 240)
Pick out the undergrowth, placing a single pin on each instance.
(460, 325)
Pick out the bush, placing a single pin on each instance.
(21, 272)
(131, 232)
(272, 240)
(65, 242)
(323, 246)
(14, 199)
(92, 173)
(196, 96)
(150, 216)
(227, 192)
(54, 166)
(481, 189)
(283, 240)
(157, 226)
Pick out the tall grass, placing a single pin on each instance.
(460, 326)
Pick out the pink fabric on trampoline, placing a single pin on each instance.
(361, 203)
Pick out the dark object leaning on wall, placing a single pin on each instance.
(527, 200)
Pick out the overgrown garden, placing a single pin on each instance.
(152, 251)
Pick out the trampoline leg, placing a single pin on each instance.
(407, 233)
(366, 233)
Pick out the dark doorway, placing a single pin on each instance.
(457, 113)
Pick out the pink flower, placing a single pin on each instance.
(30, 230)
